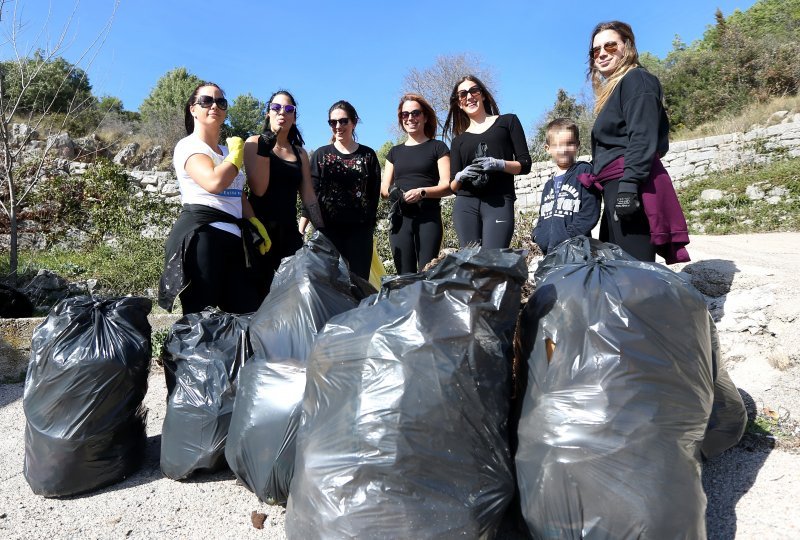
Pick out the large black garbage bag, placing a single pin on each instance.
(620, 391)
(404, 426)
(86, 380)
(202, 358)
(308, 289)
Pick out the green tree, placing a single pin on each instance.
(43, 83)
(383, 151)
(245, 116)
(162, 109)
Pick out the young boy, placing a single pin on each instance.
(568, 209)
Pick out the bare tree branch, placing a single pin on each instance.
(435, 83)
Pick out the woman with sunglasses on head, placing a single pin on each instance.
(347, 178)
(416, 177)
(488, 149)
(207, 261)
(641, 212)
(278, 169)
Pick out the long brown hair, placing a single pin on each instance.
(630, 59)
(457, 120)
(430, 115)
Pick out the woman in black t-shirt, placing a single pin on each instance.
(278, 169)
(488, 149)
(416, 176)
(347, 181)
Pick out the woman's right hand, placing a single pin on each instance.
(235, 152)
(266, 142)
(469, 173)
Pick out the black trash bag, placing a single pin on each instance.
(404, 426)
(203, 356)
(86, 380)
(308, 289)
(620, 391)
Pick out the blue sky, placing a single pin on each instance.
(355, 50)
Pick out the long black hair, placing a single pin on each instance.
(295, 138)
(457, 120)
(351, 114)
(188, 119)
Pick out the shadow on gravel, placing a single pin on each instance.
(728, 477)
(9, 393)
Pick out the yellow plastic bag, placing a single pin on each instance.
(376, 269)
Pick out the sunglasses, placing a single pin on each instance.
(287, 109)
(475, 91)
(416, 113)
(610, 47)
(207, 101)
(340, 121)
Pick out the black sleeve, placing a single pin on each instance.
(520, 144)
(537, 229)
(641, 109)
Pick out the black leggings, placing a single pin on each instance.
(214, 265)
(286, 240)
(488, 221)
(632, 234)
(354, 243)
(416, 240)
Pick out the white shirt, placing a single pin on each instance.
(229, 201)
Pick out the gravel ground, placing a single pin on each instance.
(752, 489)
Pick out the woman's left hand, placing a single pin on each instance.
(414, 195)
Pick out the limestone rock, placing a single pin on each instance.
(127, 156)
(712, 195)
(61, 145)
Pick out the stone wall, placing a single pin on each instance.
(692, 159)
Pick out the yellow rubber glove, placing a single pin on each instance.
(235, 152)
(267, 243)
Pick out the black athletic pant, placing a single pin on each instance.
(215, 268)
(354, 243)
(488, 221)
(631, 234)
(416, 239)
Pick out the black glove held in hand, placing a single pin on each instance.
(627, 202)
(266, 142)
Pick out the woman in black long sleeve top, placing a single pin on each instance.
(629, 136)
(488, 149)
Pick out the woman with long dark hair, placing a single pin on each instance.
(347, 178)
(641, 212)
(416, 177)
(488, 149)
(207, 261)
(278, 169)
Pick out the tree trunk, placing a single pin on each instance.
(14, 249)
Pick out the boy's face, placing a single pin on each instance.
(563, 148)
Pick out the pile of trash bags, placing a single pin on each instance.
(87, 377)
(624, 391)
(308, 289)
(404, 428)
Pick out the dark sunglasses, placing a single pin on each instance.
(610, 47)
(341, 121)
(413, 114)
(287, 109)
(207, 101)
(474, 92)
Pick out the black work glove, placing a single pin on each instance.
(395, 195)
(266, 142)
(627, 202)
